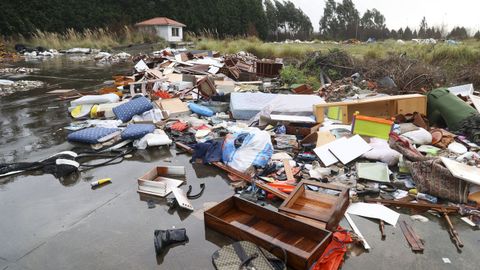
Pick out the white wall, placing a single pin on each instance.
(165, 31)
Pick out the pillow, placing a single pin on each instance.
(126, 111)
(137, 131)
(90, 135)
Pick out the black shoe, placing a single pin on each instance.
(164, 238)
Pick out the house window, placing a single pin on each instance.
(175, 32)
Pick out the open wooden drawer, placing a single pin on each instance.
(244, 220)
(325, 205)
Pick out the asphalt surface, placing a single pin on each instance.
(49, 223)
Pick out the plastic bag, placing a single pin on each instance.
(242, 150)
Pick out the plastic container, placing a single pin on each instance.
(200, 110)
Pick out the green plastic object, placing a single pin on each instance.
(444, 108)
(372, 127)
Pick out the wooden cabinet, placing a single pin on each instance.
(385, 107)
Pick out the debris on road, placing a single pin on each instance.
(355, 146)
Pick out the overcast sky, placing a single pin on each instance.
(401, 13)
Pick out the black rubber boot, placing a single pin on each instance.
(164, 238)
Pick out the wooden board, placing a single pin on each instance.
(318, 206)
(384, 107)
(244, 220)
(412, 238)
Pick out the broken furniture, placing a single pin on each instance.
(318, 204)
(268, 68)
(143, 86)
(243, 220)
(384, 107)
(158, 181)
(444, 210)
(174, 107)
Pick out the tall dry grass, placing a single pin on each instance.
(99, 38)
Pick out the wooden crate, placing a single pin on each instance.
(384, 107)
(319, 207)
(244, 220)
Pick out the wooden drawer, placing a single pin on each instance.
(244, 220)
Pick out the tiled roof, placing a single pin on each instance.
(160, 21)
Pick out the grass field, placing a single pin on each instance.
(454, 64)
(466, 53)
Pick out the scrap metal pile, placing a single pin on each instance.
(318, 161)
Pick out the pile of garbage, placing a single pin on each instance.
(345, 150)
(8, 87)
(18, 70)
(83, 54)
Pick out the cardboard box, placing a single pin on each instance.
(158, 181)
(174, 107)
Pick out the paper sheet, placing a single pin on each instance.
(374, 210)
(325, 155)
(350, 149)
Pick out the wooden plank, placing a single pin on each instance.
(412, 238)
(241, 175)
(288, 171)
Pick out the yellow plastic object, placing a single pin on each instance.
(100, 182)
(81, 111)
(334, 113)
(93, 111)
(372, 126)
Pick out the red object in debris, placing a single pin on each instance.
(162, 94)
(332, 258)
(179, 126)
(203, 127)
(282, 186)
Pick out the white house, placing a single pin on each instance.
(168, 29)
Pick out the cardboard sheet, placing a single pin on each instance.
(476, 102)
(463, 90)
(350, 149)
(377, 172)
(374, 210)
(465, 172)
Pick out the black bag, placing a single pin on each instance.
(245, 255)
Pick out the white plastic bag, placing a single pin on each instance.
(256, 149)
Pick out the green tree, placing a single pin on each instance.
(329, 24)
(477, 35)
(422, 31)
(372, 24)
(459, 33)
(407, 34)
